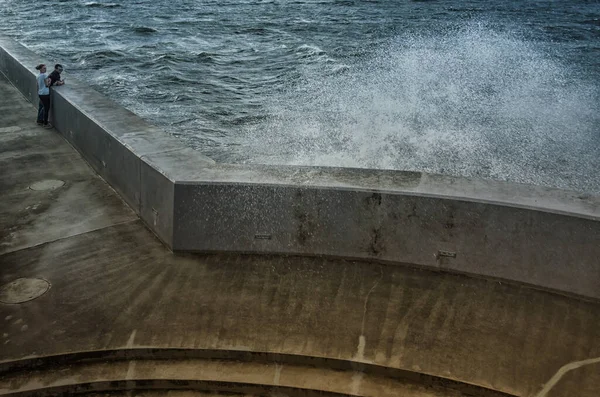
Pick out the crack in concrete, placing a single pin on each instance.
(70, 236)
(563, 370)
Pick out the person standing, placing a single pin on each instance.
(55, 75)
(43, 84)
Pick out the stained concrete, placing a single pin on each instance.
(115, 286)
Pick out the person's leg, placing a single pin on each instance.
(40, 115)
(46, 101)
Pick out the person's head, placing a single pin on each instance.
(41, 67)
(58, 67)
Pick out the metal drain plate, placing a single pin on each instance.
(47, 184)
(23, 290)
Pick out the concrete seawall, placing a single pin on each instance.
(538, 236)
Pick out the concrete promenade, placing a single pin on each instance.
(133, 315)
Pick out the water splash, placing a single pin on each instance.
(472, 101)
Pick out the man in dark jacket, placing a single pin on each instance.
(55, 75)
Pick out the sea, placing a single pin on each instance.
(503, 89)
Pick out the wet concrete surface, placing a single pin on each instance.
(32, 212)
(115, 286)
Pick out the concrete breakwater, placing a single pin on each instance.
(543, 237)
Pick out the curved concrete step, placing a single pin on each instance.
(159, 393)
(239, 372)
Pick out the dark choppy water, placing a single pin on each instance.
(499, 89)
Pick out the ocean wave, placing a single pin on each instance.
(108, 54)
(144, 29)
(309, 51)
(100, 58)
(183, 98)
(248, 119)
(178, 79)
(102, 5)
(339, 69)
(594, 21)
(170, 58)
(253, 30)
(204, 56)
